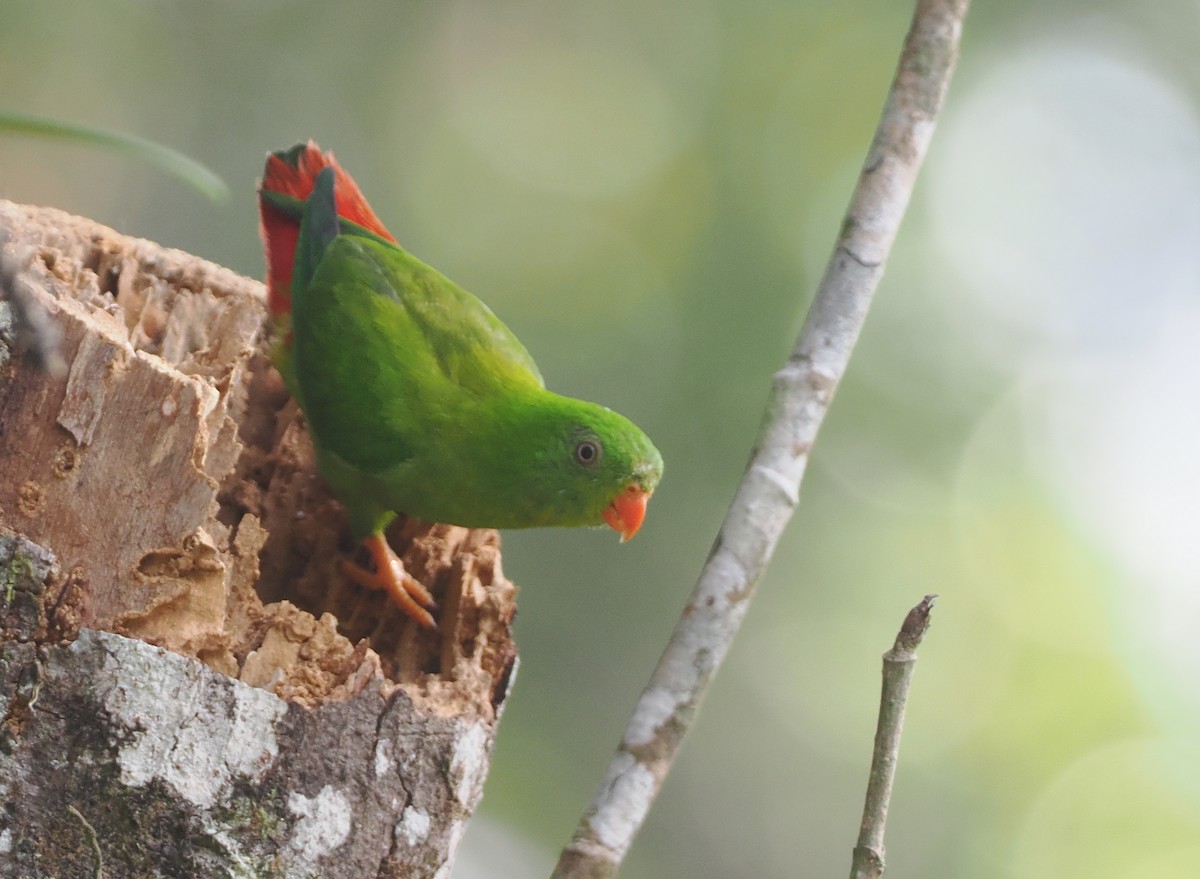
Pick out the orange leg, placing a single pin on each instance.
(389, 575)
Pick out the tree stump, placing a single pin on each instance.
(187, 685)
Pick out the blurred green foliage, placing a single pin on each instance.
(647, 195)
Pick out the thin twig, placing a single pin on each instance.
(800, 396)
(898, 665)
(91, 831)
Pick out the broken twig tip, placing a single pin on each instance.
(915, 625)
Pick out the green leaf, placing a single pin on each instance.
(186, 169)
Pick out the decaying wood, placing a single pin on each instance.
(187, 686)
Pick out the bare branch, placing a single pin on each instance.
(800, 396)
(898, 665)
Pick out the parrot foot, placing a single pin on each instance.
(390, 576)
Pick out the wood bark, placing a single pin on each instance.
(187, 685)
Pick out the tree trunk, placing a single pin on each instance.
(187, 685)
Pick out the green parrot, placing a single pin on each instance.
(418, 399)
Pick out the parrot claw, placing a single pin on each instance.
(390, 576)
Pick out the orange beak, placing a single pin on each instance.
(625, 514)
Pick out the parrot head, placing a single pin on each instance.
(594, 467)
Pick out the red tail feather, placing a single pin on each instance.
(293, 173)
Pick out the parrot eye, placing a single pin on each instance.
(588, 452)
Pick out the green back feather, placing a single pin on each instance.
(318, 228)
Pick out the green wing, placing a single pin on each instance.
(389, 352)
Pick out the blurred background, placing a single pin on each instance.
(647, 194)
